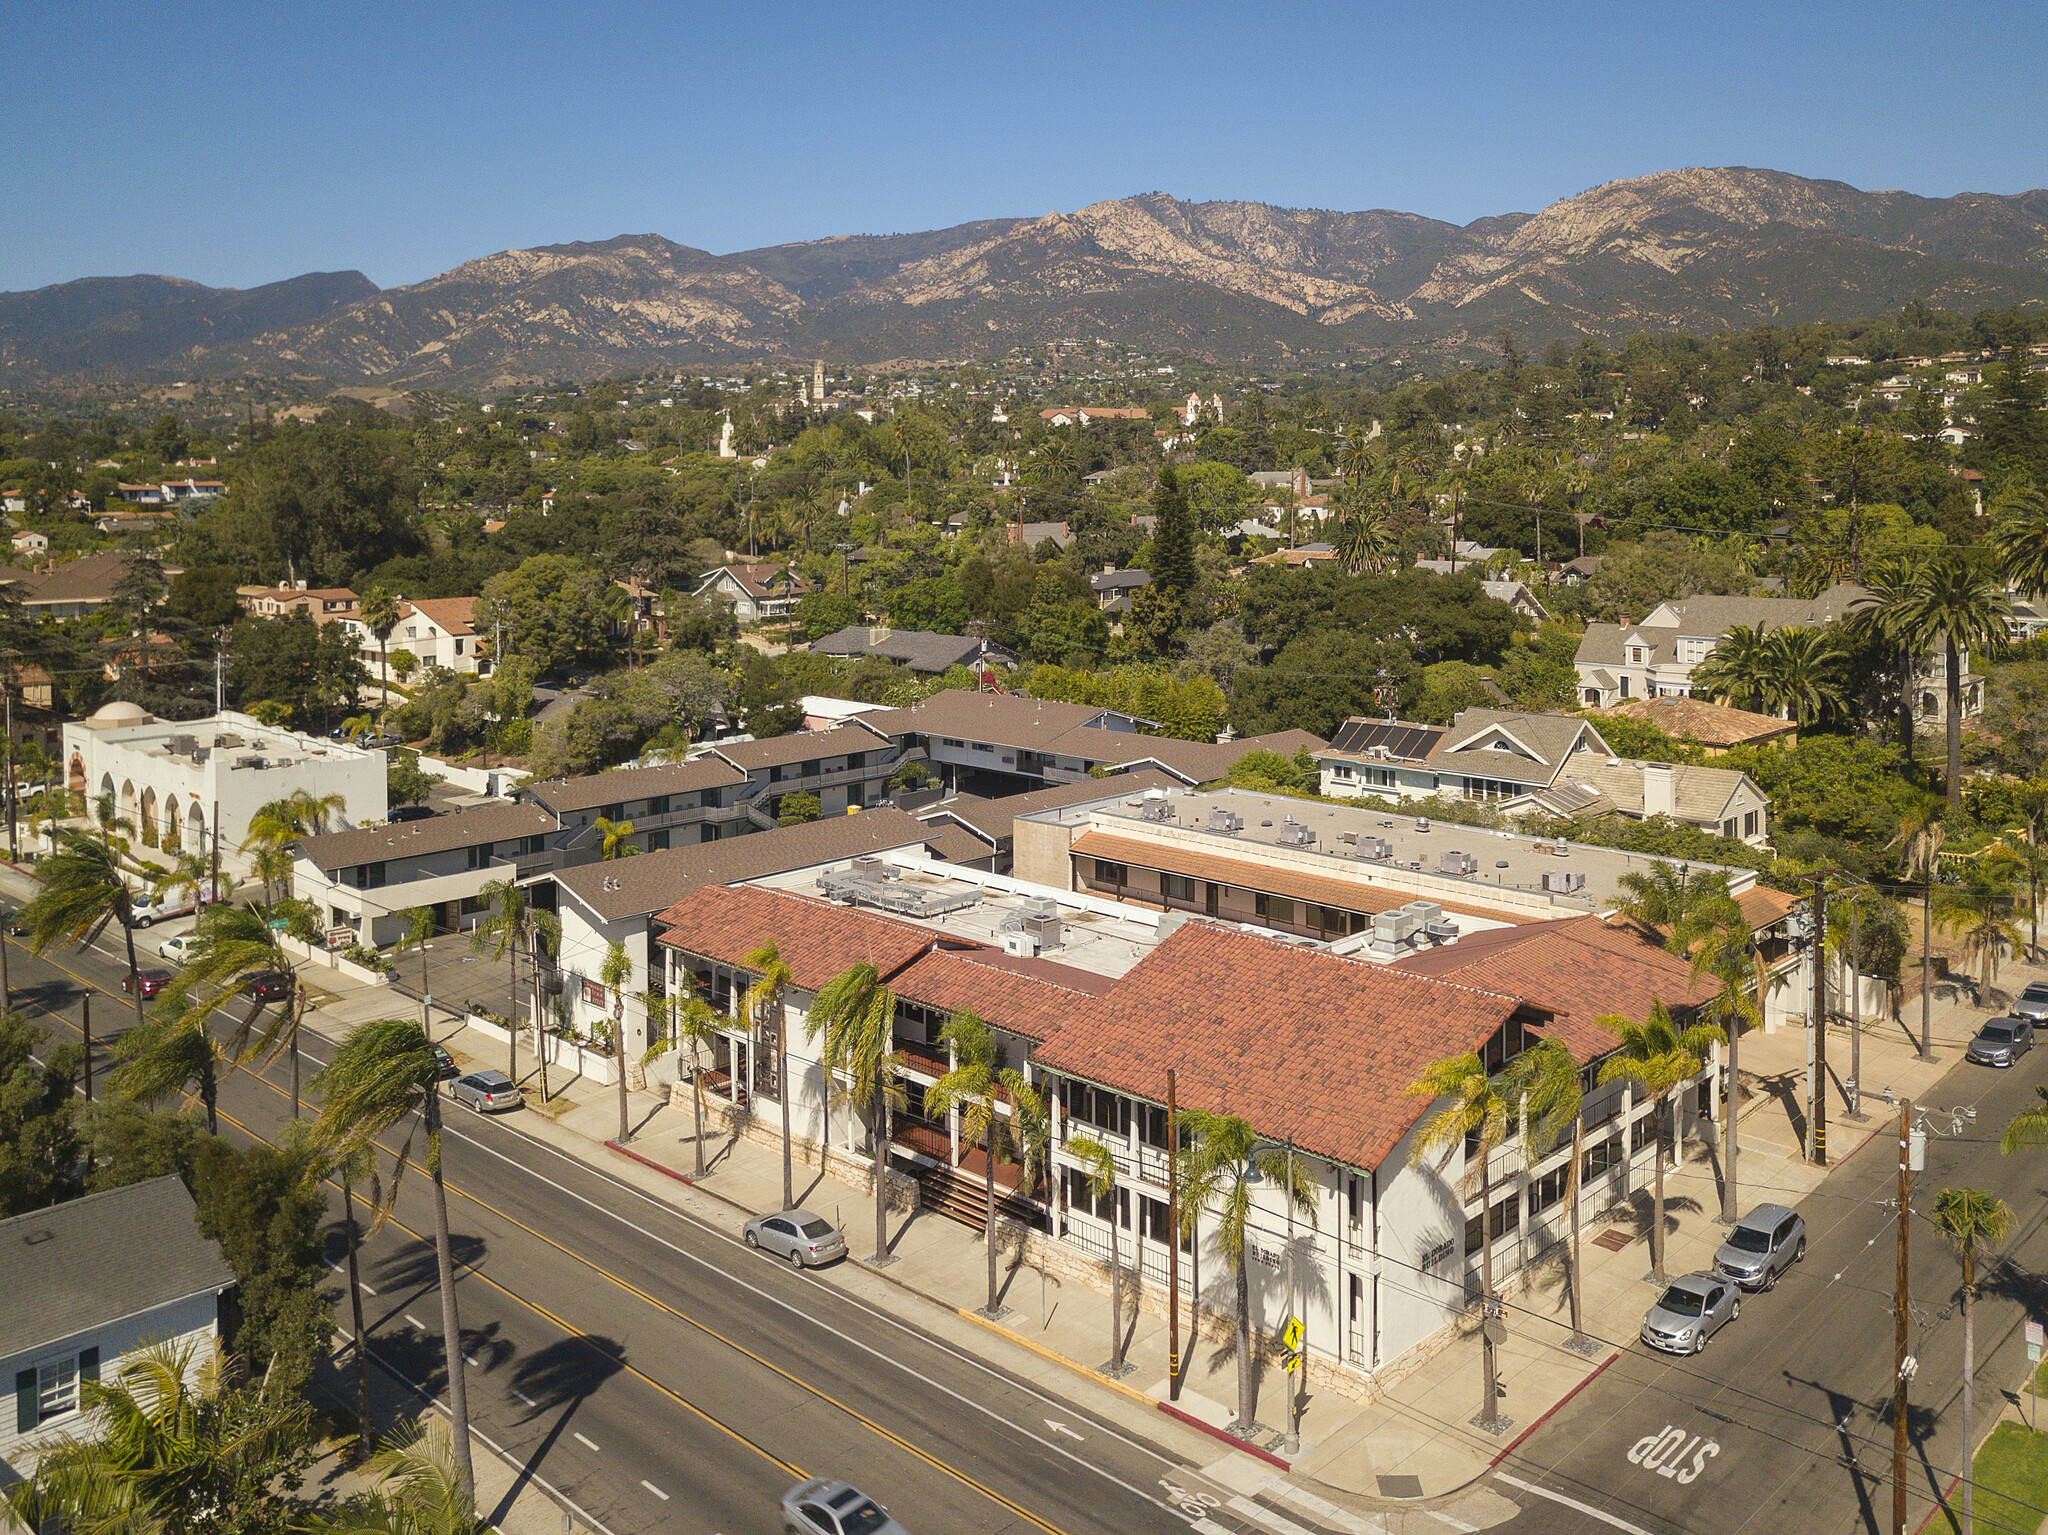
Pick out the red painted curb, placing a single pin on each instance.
(1230, 1439)
(1939, 1507)
(1516, 1442)
(668, 1172)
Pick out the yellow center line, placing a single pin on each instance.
(658, 1304)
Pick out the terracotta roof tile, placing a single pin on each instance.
(817, 939)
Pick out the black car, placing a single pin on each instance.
(449, 1070)
(16, 926)
(268, 985)
(414, 813)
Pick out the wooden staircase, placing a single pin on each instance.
(960, 1195)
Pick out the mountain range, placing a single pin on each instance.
(1232, 282)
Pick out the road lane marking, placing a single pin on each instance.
(1457, 1524)
(1324, 1511)
(654, 1489)
(529, 1401)
(1263, 1515)
(1666, 1450)
(470, 1360)
(589, 1443)
(364, 1288)
(416, 1322)
(1573, 1503)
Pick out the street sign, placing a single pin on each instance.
(2036, 1335)
(1291, 1333)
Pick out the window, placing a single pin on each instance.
(810, 770)
(370, 877)
(1327, 919)
(1152, 1125)
(1107, 873)
(472, 904)
(1156, 1223)
(50, 1389)
(536, 843)
(1642, 1133)
(1602, 1157)
(1507, 1216)
(1272, 909)
(1749, 824)
(1548, 1190)
(1177, 887)
(1728, 827)
(613, 812)
(480, 855)
(710, 799)
(657, 841)
(659, 805)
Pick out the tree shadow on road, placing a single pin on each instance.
(563, 1375)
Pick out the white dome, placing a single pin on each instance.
(122, 712)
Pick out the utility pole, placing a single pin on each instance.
(1172, 1239)
(13, 845)
(1927, 959)
(1855, 1008)
(220, 670)
(1901, 1297)
(1818, 1111)
(216, 849)
(85, 1028)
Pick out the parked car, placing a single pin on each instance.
(1761, 1246)
(148, 982)
(1691, 1310)
(2032, 1004)
(267, 985)
(806, 1240)
(487, 1092)
(414, 813)
(17, 927)
(2001, 1042)
(177, 948)
(449, 1070)
(156, 908)
(821, 1507)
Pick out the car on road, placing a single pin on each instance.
(806, 1240)
(822, 1507)
(449, 1070)
(267, 985)
(17, 925)
(1761, 1246)
(2032, 1004)
(413, 813)
(148, 982)
(1691, 1310)
(2001, 1042)
(487, 1092)
(177, 948)
(156, 908)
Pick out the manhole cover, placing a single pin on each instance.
(1400, 1486)
(1613, 1241)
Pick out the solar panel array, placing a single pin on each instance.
(1409, 743)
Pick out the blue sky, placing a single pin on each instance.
(237, 144)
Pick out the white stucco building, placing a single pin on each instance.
(175, 779)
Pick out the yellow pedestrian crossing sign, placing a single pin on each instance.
(1291, 1333)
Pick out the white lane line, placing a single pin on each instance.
(529, 1401)
(1263, 1515)
(589, 1444)
(1457, 1524)
(416, 1322)
(1558, 1497)
(1324, 1510)
(470, 1360)
(1208, 1527)
(364, 1288)
(654, 1489)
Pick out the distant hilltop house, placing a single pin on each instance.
(1654, 658)
(755, 590)
(1115, 588)
(321, 604)
(1714, 727)
(436, 631)
(1031, 534)
(1081, 415)
(925, 653)
(76, 588)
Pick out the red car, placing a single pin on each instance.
(148, 982)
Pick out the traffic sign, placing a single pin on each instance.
(2036, 1335)
(1291, 1333)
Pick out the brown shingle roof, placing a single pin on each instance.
(418, 839)
(954, 844)
(1004, 719)
(1192, 762)
(1308, 1043)
(1273, 879)
(567, 795)
(451, 614)
(802, 746)
(994, 818)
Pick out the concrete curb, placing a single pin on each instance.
(1516, 1443)
(1056, 1357)
(1228, 1438)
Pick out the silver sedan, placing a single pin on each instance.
(822, 1507)
(1691, 1310)
(806, 1240)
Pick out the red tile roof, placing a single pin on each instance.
(452, 614)
(817, 939)
(1294, 1040)
(1036, 1003)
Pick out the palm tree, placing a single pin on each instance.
(1959, 604)
(1739, 667)
(230, 942)
(1363, 542)
(1970, 1218)
(1357, 460)
(1722, 944)
(1983, 910)
(84, 887)
(1883, 618)
(380, 617)
(698, 1027)
(1807, 669)
(1477, 1118)
(1221, 1158)
(1659, 899)
(170, 1443)
(857, 1015)
(971, 1087)
(513, 924)
(2021, 539)
(1098, 1171)
(353, 1167)
(419, 928)
(617, 839)
(614, 974)
(1657, 1057)
(763, 1004)
(383, 1074)
(1546, 1083)
(277, 825)
(419, 1490)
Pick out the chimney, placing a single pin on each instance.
(1659, 788)
(1109, 567)
(1624, 620)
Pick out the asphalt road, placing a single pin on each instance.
(657, 1375)
(1785, 1421)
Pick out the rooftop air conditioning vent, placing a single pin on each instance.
(1422, 823)
(1294, 834)
(1377, 848)
(248, 762)
(1155, 810)
(1441, 932)
(1563, 881)
(1225, 821)
(1457, 863)
(1021, 945)
(1041, 906)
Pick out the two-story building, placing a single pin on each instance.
(321, 604)
(755, 590)
(923, 652)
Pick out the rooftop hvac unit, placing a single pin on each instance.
(1155, 810)
(1423, 911)
(248, 762)
(1562, 850)
(1422, 823)
(869, 867)
(1224, 820)
(1294, 834)
(1022, 945)
(184, 745)
(1395, 926)
(1375, 847)
(1564, 881)
(1457, 863)
(1441, 932)
(1045, 929)
(1040, 906)
(200, 754)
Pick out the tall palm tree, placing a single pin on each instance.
(1659, 899)
(419, 930)
(1363, 542)
(1221, 1158)
(1482, 1108)
(615, 839)
(1546, 1083)
(419, 1490)
(84, 886)
(856, 1014)
(1808, 671)
(1884, 618)
(352, 1168)
(168, 1444)
(2021, 539)
(1970, 1218)
(1098, 1171)
(1982, 910)
(1958, 603)
(380, 617)
(384, 1074)
(1739, 667)
(972, 1087)
(229, 943)
(1356, 460)
(616, 971)
(1657, 1058)
(763, 1004)
(1721, 944)
(513, 924)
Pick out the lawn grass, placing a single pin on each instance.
(2012, 1481)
